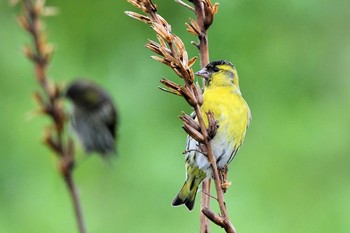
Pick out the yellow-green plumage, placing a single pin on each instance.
(187, 195)
(223, 97)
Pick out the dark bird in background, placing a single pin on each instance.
(94, 117)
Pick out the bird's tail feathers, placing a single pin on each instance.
(188, 192)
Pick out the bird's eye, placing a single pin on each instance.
(215, 69)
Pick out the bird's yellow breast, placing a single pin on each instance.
(230, 110)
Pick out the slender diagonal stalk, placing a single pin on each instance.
(205, 203)
(76, 202)
(203, 48)
(49, 99)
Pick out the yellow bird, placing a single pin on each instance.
(223, 97)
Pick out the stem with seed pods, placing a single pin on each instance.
(203, 47)
(49, 100)
(205, 12)
(172, 52)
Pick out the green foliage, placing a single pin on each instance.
(292, 173)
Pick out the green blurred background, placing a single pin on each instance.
(292, 173)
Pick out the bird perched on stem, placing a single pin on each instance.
(223, 97)
(94, 117)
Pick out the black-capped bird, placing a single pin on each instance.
(94, 117)
(223, 97)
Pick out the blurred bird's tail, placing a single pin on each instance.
(187, 194)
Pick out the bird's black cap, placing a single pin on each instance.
(219, 62)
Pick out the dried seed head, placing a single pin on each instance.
(165, 23)
(160, 30)
(180, 46)
(178, 72)
(50, 11)
(188, 95)
(191, 61)
(174, 88)
(50, 141)
(193, 27)
(154, 46)
(23, 23)
(159, 59)
(185, 5)
(192, 132)
(38, 98)
(39, 7)
(28, 52)
(209, 11)
(185, 58)
(138, 16)
(161, 41)
(190, 121)
(215, 8)
(47, 51)
(198, 94)
(212, 124)
(145, 5)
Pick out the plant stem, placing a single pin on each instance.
(205, 201)
(49, 100)
(204, 60)
(205, 198)
(75, 200)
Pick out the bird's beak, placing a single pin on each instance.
(204, 73)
